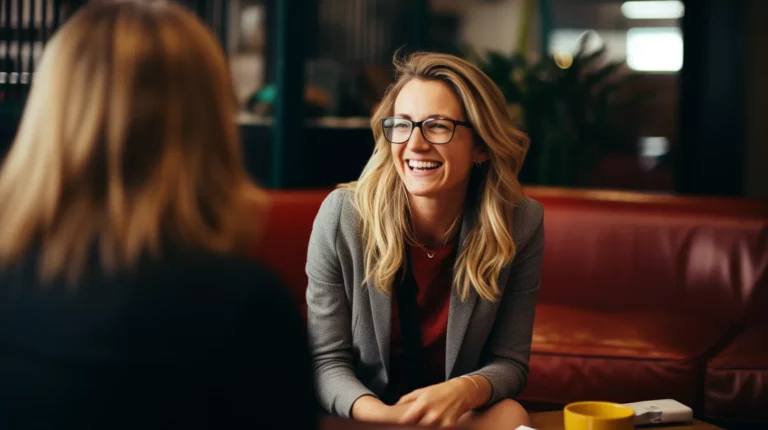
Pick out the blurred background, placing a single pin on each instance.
(655, 96)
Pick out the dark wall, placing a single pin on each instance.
(756, 174)
(329, 156)
(712, 83)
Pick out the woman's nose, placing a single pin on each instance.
(417, 141)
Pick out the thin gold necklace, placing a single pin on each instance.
(448, 233)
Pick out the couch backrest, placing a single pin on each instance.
(624, 250)
(613, 250)
(284, 241)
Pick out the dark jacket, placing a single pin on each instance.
(194, 340)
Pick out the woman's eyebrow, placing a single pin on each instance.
(432, 116)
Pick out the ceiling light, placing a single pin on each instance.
(655, 49)
(653, 9)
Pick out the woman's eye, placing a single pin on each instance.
(438, 127)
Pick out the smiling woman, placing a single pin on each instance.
(423, 274)
(426, 163)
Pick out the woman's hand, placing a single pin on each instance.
(371, 409)
(439, 405)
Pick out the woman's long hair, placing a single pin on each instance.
(381, 200)
(128, 142)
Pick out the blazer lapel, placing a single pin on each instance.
(381, 309)
(460, 312)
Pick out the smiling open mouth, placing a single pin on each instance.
(420, 166)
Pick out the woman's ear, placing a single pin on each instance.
(480, 155)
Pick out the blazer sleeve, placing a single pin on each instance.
(509, 347)
(329, 314)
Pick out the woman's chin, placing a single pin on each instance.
(422, 190)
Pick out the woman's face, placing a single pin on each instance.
(427, 169)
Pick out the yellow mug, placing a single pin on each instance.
(598, 416)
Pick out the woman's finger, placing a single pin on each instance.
(448, 422)
(414, 414)
(413, 395)
(430, 419)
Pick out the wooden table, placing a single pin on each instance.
(335, 423)
(554, 421)
(539, 421)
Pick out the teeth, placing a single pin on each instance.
(423, 164)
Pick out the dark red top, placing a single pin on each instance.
(434, 279)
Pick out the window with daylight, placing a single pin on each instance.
(645, 36)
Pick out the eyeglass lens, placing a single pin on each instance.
(437, 131)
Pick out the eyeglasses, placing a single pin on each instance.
(437, 131)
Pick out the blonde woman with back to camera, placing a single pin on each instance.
(423, 274)
(124, 203)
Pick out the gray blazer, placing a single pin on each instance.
(349, 323)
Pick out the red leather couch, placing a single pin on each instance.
(643, 297)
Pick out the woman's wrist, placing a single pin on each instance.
(368, 408)
(477, 389)
(474, 391)
(469, 390)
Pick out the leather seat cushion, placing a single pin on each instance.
(282, 245)
(626, 356)
(737, 379)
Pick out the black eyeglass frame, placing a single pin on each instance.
(419, 124)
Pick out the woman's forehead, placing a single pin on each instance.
(420, 99)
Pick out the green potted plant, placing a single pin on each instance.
(565, 104)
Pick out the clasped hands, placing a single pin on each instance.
(439, 405)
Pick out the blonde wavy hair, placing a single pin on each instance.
(381, 199)
(128, 143)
